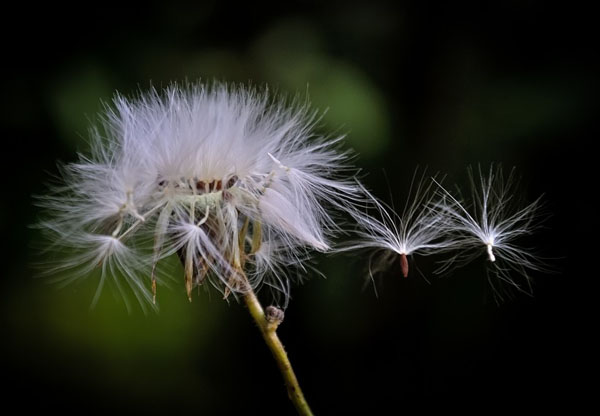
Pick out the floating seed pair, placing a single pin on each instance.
(434, 221)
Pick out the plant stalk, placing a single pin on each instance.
(269, 333)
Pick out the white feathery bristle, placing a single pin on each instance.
(493, 222)
(418, 229)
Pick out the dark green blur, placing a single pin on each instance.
(410, 84)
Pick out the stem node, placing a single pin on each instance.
(268, 323)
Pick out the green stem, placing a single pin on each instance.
(269, 333)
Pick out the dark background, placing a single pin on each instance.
(412, 83)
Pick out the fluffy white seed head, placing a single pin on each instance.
(232, 180)
(492, 223)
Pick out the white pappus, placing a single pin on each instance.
(419, 228)
(492, 223)
(232, 180)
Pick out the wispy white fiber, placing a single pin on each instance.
(491, 224)
(227, 177)
(418, 229)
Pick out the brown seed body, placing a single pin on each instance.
(404, 264)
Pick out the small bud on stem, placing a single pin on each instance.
(274, 317)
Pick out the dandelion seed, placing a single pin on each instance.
(418, 229)
(492, 223)
(233, 181)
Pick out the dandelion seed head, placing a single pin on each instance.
(233, 180)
